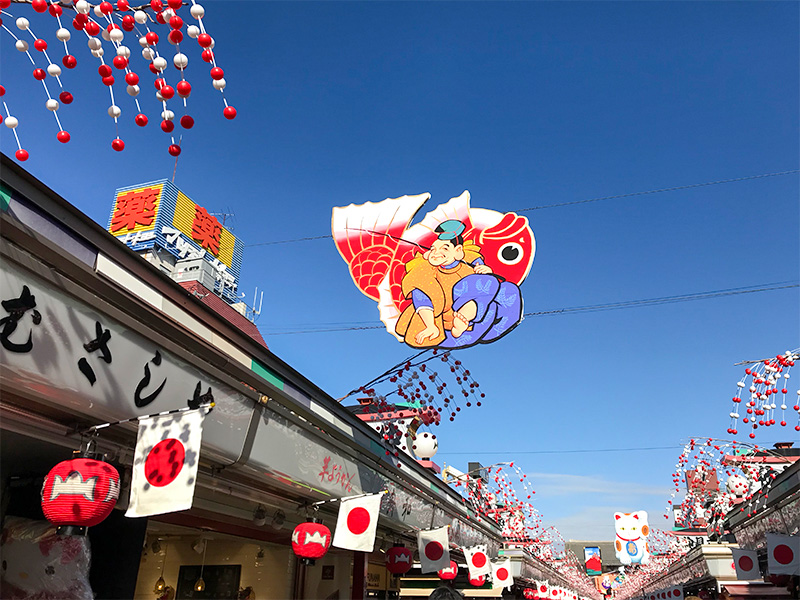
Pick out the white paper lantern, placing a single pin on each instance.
(425, 446)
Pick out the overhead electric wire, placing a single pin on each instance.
(572, 451)
(585, 201)
(767, 287)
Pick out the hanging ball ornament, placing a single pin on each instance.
(193, 31)
(69, 61)
(167, 115)
(63, 34)
(39, 6)
(23, 24)
(124, 51)
(229, 112)
(92, 28)
(167, 126)
(52, 105)
(217, 73)
(40, 45)
(174, 150)
(133, 90)
(11, 122)
(148, 54)
(114, 111)
(120, 62)
(140, 119)
(65, 97)
(160, 63)
(22, 155)
(187, 122)
(21, 45)
(118, 145)
(140, 17)
(53, 70)
(184, 88)
(175, 37)
(197, 11)
(219, 84)
(55, 10)
(39, 74)
(82, 7)
(62, 136)
(131, 78)
(180, 60)
(204, 40)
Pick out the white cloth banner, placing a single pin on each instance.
(434, 549)
(746, 564)
(783, 554)
(358, 523)
(477, 561)
(501, 574)
(165, 463)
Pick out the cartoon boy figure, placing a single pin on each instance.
(456, 300)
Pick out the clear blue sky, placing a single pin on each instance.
(524, 104)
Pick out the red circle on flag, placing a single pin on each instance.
(745, 563)
(434, 550)
(783, 554)
(164, 462)
(358, 520)
(502, 573)
(479, 559)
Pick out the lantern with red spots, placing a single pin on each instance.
(79, 493)
(477, 581)
(399, 560)
(311, 541)
(450, 572)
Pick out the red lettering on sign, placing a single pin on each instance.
(135, 208)
(206, 230)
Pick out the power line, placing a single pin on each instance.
(576, 451)
(768, 287)
(560, 204)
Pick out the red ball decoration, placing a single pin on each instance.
(78, 24)
(106, 8)
(310, 541)
(5, 3)
(167, 126)
(167, 92)
(140, 119)
(39, 74)
(175, 36)
(118, 145)
(79, 493)
(399, 560)
(2, 91)
(123, 5)
(22, 155)
(156, 5)
(55, 10)
(187, 122)
(174, 4)
(229, 112)
(217, 73)
(176, 22)
(159, 83)
(450, 572)
(131, 78)
(120, 62)
(40, 45)
(109, 81)
(39, 5)
(204, 40)
(207, 55)
(128, 23)
(65, 97)
(184, 88)
(92, 28)
(104, 70)
(69, 61)
(62, 136)
(477, 581)
(151, 37)
(174, 149)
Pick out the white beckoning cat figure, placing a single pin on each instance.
(632, 531)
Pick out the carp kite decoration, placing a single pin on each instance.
(449, 281)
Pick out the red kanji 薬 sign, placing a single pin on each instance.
(135, 208)
(206, 230)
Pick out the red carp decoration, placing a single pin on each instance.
(399, 560)
(80, 492)
(450, 281)
(311, 541)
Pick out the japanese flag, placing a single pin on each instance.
(746, 564)
(434, 549)
(543, 589)
(501, 574)
(165, 463)
(783, 554)
(477, 561)
(357, 523)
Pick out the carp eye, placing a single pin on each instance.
(510, 253)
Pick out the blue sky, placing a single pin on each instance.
(524, 104)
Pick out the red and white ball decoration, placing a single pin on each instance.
(449, 573)
(117, 28)
(478, 581)
(79, 493)
(310, 541)
(763, 395)
(399, 560)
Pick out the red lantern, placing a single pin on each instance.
(399, 560)
(311, 540)
(477, 581)
(450, 572)
(79, 493)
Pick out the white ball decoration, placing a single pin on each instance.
(180, 60)
(94, 43)
(197, 11)
(22, 45)
(53, 70)
(160, 63)
(133, 90)
(219, 84)
(159, 97)
(11, 122)
(425, 446)
(63, 34)
(167, 115)
(114, 111)
(140, 17)
(167, 13)
(23, 23)
(106, 35)
(213, 43)
(52, 105)
(148, 54)
(82, 7)
(116, 35)
(98, 53)
(193, 31)
(97, 12)
(124, 51)
(143, 42)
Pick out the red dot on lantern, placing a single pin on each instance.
(62, 136)
(118, 145)
(65, 97)
(22, 155)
